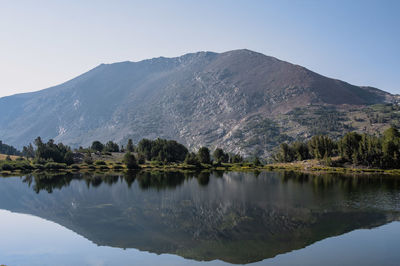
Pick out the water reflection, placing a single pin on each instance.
(234, 217)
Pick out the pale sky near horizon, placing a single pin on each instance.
(44, 43)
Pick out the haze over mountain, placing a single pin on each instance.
(239, 100)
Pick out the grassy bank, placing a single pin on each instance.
(23, 166)
(314, 166)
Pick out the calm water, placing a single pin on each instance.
(204, 219)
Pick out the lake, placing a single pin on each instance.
(158, 218)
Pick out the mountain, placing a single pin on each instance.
(239, 100)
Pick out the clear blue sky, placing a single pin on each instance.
(44, 43)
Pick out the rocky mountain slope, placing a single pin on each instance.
(239, 100)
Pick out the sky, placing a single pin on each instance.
(45, 43)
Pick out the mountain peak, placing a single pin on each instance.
(229, 100)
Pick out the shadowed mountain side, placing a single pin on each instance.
(238, 218)
(198, 99)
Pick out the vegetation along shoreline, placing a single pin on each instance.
(353, 153)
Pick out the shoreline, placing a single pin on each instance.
(110, 167)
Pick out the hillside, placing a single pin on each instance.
(239, 100)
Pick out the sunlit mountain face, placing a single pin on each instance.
(234, 217)
(242, 101)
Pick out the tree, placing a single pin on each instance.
(391, 148)
(144, 148)
(129, 146)
(88, 158)
(111, 147)
(285, 153)
(349, 145)
(369, 151)
(301, 151)
(28, 151)
(50, 151)
(191, 159)
(203, 155)
(130, 161)
(141, 158)
(162, 150)
(97, 146)
(7, 149)
(256, 161)
(69, 158)
(220, 156)
(321, 146)
(236, 158)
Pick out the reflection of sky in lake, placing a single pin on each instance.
(231, 218)
(29, 240)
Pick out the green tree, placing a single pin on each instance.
(130, 161)
(7, 149)
(256, 161)
(28, 151)
(301, 151)
(50, 151)
(391, 148)
(285, 153)
(129, 146)
(144, 147)
(97, 146)
(236, 158)
(111, 147)
(321, 146)
(162, 150)
(203, 155)
(69, 158)
(349, 146)
(141, 158)
(191, 159)
(220, 156)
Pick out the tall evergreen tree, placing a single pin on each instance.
(203, 155)
(129, 146)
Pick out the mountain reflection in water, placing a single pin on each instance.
(234, 217)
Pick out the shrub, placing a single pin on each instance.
(7, 167)
(55, 166)
(118, 167)
(22, 165)
(100, 162)
(75, 166)
(38, 166)
(141, 158)
(88, 159)
(104, 167)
